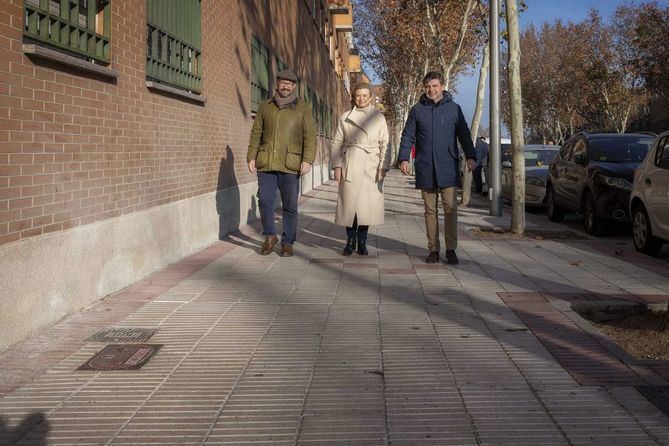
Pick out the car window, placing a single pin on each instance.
(565, 151)
(539, 158)
(620, 148)
(579, 150)
(662, 153)
(506, 155)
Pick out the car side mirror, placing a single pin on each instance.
(506, 163)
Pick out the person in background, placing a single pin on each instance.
(481, 160)
(359, 157)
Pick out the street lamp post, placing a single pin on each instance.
(495, 147)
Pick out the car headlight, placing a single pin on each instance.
(535, 181)
(619, 183)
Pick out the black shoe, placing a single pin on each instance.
(362, 244)
(350, 246)
(433, 257)
(451, 257)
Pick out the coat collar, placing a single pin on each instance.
(361, 119)
(429, 102)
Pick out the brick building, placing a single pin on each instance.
(123, 133)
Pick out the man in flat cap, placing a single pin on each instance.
(281, 148)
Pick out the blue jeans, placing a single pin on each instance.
(289, 186)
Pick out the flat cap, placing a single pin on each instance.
(287, 75)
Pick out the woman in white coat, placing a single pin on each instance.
(359, 158)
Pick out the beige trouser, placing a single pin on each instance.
(449, 199)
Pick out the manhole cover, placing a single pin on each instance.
(122, 334)
(658, 395)
(121, 357)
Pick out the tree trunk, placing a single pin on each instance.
(461, 37)
(516, 99)
(476, 120)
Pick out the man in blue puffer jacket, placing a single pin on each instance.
(433, 126)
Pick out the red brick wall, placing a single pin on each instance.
(75, 149)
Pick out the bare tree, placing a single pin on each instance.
(517, 136)
(478, 111)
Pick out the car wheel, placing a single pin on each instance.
(555, 213)
(591, 222)
(642, 234)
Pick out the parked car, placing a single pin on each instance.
(649, 205)
(537, 159)
(593, 174)
(504, 145)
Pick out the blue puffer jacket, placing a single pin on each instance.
(433, 129)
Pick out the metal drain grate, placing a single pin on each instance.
(121, 357)
(122, 334)
(658, 395)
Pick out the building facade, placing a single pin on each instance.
(123, 134)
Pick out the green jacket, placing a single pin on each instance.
(282, 139)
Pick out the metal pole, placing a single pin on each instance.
(495, 148)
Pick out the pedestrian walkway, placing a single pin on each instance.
(319, 349)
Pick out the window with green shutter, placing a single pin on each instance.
(259, 73)
(174, 43)
(328, 121)
(280, 65)
(82, 27)
(314, 107)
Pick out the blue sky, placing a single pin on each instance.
(537, 12)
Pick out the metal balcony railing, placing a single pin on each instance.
(78, 26)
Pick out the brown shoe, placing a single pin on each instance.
(286, 250)
(268, 245)
(451, 257)
(433, 257)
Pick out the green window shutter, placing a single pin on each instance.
(328, 121)
(314, 106)
(323, 118)
(174, 43)
(259, 73)
(82, 27)
(280, 65)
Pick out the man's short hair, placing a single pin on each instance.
(434, 75)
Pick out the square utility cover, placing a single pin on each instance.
(121, 357)
(122, 334)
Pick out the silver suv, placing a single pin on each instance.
(649, 202)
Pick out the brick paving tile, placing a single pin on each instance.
(319, 349)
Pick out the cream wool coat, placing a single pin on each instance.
(360, 148)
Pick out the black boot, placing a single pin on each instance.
(362, 244)
(350, 246)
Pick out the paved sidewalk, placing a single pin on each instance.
(319, 349)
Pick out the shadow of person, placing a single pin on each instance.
(227, 195)
(32, 431)
(252, 216)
